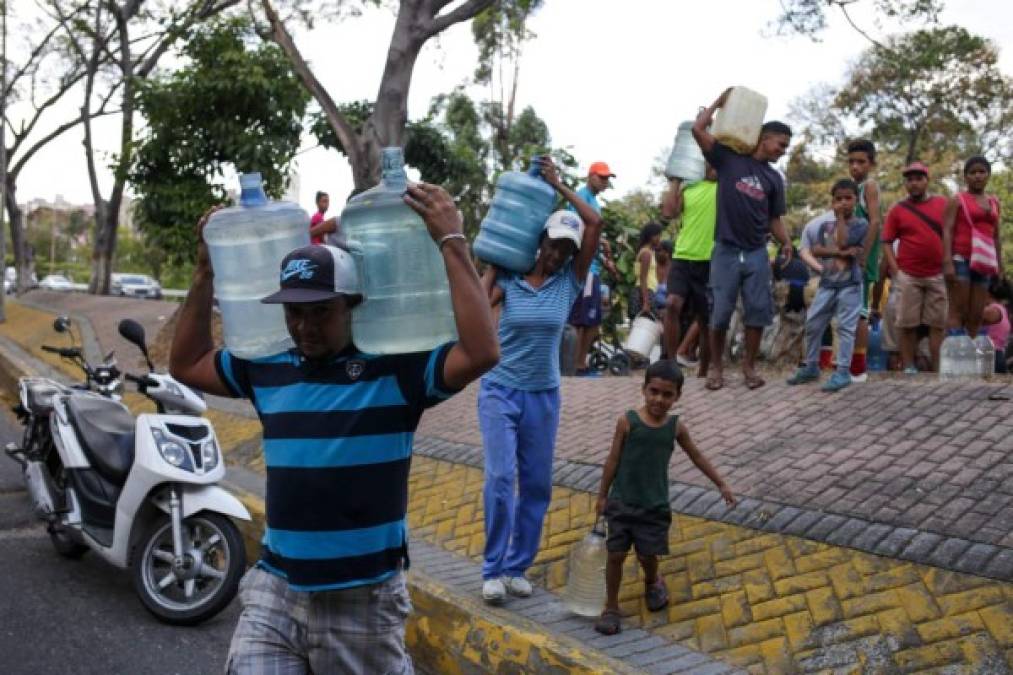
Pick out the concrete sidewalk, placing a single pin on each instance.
(746, 590)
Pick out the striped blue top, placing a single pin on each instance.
(531, 327)
(337, 448)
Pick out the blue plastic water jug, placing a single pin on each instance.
(876, 356)
(407, 306)
(512, 227)
(246, 244)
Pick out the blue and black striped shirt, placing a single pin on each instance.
(337, 448)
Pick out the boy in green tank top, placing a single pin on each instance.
(634, 488)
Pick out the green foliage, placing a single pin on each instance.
(500, 33)
(809, 17)
(235, 104)
(624, 218)
(927, 92)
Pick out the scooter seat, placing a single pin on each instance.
(105, 429)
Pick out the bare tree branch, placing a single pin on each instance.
(466, 11)
(280, 36)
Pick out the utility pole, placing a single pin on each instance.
(3, 154)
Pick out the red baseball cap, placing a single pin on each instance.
(601, 169)
(916, 167)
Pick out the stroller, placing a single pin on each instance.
(606, 352)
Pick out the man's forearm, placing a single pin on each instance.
(192, 338)
(470, 301)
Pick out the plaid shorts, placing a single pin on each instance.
(282, 631)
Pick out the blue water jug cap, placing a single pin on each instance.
(392, 168)
(251, 187)
(535, 170)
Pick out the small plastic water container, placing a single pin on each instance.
(958, 358)
(510, 231)
(246, 244)
(645, 335)
(686, 161)
(737, 123)
(407, 298)
(585, 581)
(984, 356)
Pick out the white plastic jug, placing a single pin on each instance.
(738, 121)
(246, 244)
(985, 356)
(645, 334)
(686, 160)
(585, 581)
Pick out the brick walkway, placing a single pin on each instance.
(913, 454)
(766, 602)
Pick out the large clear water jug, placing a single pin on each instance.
(512, 227)
(958, 357)
(985, 356)
(407, 299)
(686, 160)
(247, 243)
(738, 121)
(585, 582)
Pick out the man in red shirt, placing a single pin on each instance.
(319, 226)
(916, 224)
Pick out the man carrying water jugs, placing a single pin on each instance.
(328, 595)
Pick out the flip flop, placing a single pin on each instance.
(609, 623)
(715, 382)
(755, 381)
(656, 596)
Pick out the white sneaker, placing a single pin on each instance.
(686, 362)
(864, 377)
(493, 591)
(518, 586)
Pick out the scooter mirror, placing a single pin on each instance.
(134, 332)
(61, 324)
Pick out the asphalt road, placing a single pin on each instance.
(81, 616)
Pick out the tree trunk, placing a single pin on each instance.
(19, 244)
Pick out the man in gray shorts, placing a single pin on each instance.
(750, 206)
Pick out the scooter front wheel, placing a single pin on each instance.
(202, 582)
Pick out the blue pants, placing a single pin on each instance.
(519, 434)
(735, 271)
(844, 303)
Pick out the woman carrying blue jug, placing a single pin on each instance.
(518, 402)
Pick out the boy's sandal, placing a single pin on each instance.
(656, 596)
(714, 382)
(609, 623)
(754, 381)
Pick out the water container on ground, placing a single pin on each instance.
(876, 356)
(246, 244)
(985, 356)
(407, 299)
(513, 226)
(686, 161)
(737, 123)
(957, 357)
(585, 582)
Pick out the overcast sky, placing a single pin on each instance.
(612, 79)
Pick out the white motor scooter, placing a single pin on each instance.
(142, 493)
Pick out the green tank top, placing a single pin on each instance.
(642, 476)
(862, 211)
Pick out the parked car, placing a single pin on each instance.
(10, 280)
(56, 282)
(135, 286)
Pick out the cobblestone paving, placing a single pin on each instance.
(767, 602)
(908, 453)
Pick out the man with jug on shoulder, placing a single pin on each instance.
(328, 594)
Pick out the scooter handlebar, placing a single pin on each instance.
(141, 380)
(66, 352)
